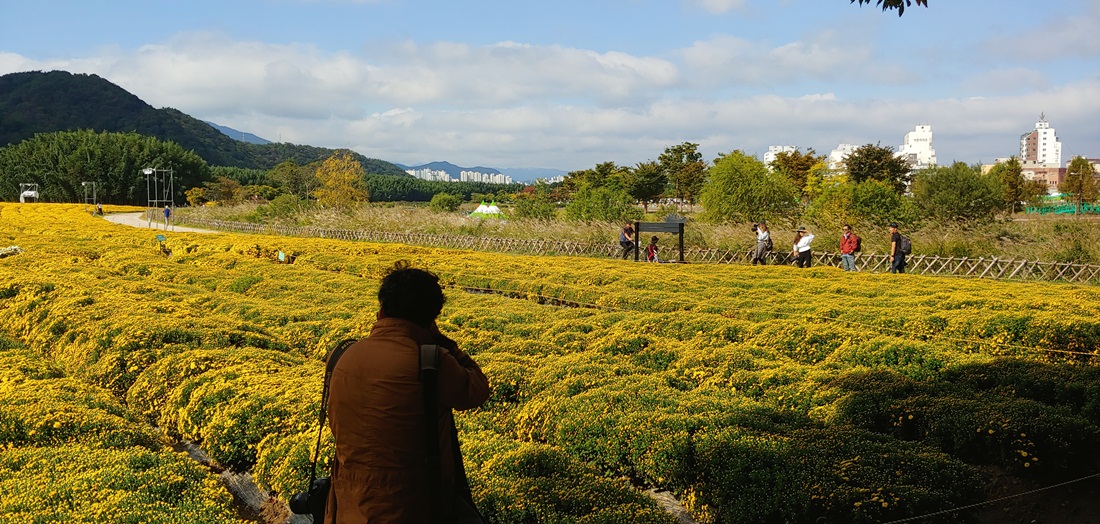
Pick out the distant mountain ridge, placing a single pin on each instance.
(239, 136)
(36, 102)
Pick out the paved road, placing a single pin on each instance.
(139, 220)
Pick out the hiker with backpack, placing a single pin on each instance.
(651, 251)
(850, 244)
(900, 246)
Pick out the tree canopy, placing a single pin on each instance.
(341, 182)
(1015, 188)
(740, 188)
(875, 162)
(1080, 182)
(957, 192)
(60, 162)
(796, 166)
(887, 5)
(684, 166)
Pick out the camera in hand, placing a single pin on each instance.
(312, 502)
(755, 226)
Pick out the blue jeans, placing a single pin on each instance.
(848, 262)
(898, 265)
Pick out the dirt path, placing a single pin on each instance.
(140, 220)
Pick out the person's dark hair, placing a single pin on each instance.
(653, 240)
(411, 294)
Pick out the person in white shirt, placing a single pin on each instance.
(801, 250)
(763, 243)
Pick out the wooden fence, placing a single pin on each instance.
(993, 268)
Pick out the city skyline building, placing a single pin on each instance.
(438, 175)
(1041, 145)
(773, 152)
(917, 148)
(838, 155)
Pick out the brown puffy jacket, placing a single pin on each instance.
(376, 413)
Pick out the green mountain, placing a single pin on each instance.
(37, 102)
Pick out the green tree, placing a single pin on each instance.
(957, 192)
(1017, 190)
(796, 166)
(60, 162)
(870, 201)
(875, 162)
(684, 166)
(879, 202)
(535, 204)
(341, 179)
(740, 188)
(294, 179)
(444, 202)
(604, 174)
(646, 183)
(601, 204)
(887, 5)
(224, 191)
(1080, 182)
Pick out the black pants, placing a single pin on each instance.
(803, 259)
(628, 246)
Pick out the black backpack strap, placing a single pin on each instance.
(429, 379)
(330, 364)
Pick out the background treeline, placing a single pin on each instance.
(61, 162)
(37, 102)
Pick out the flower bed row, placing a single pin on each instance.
(756, 394)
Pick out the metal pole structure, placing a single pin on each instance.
(148, 196)
(159, 190)
(93, 200)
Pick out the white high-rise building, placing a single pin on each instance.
(838, 155)
(773, 151)
(431, 175)
(917, 149)
(1040, 145)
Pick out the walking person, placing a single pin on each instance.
(897, 251)
(849, 246)
(626, 239)
(801, 250)
(763, 243)
(167, 216)
(376, 413)
(651, 251)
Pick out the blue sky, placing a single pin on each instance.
(568, 84)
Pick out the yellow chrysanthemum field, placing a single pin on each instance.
(754, 394)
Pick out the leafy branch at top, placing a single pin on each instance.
(900, 5)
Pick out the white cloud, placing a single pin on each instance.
(1012, 80)
(1071, 36)
(726, 59)
(516, 104)
(719, 6)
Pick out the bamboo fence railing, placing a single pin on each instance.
(993, 268)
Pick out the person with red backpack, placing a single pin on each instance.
(850, 244)
(651, 251)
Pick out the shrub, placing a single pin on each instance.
(444, 202)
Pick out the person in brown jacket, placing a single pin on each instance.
(381, 472)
